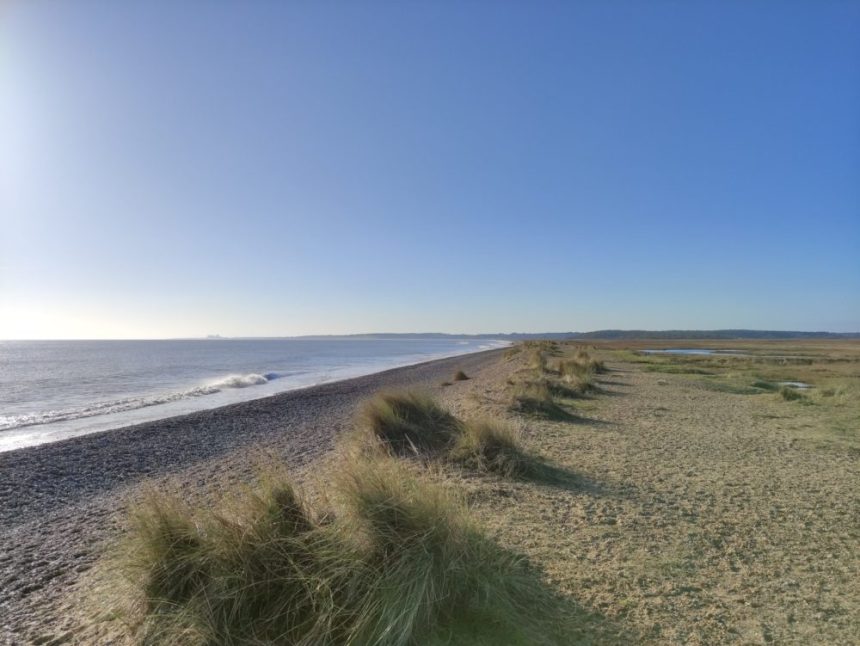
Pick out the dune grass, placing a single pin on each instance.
(397, 560)
(538, 361)
(412, 424)
(385, 556)
(568, 388)
(250, 571)
(488, 446)
(579, 383)
(536, 398)
(460, 376)
(408, 423)
(790, 394)
(579, 374)
(431, 562)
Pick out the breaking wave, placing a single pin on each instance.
(239, 381)
(8, 422)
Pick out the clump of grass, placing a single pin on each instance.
(242, 574)
(538, 361)
(584, 359)
(791, 394)
(416, 538)
(491, 447)
(536, 398)
(400, 563)
(599, 366)
(432, 569)
(582, 384)
(573, 367)
(578, 374)
(460, 376)
(408, 422)
(567, 388)
(550, 347)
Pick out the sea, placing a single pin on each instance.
(53, 390)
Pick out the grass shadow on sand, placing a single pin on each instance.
(611, 382)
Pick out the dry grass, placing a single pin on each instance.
(791, 394)
(397, 560)
(490, 446)
(408, 422)
(386, 556)
(250, 571)
(538, 361)
(536, 398)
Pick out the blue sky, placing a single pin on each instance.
(267, 168)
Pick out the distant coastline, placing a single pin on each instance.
(596, 334)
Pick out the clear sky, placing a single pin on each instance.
(277, 168)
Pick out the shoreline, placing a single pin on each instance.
(59, 500)
(139, 409)
(287, 404)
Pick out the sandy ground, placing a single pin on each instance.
(696, 517)
(686, 515)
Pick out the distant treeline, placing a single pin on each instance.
(626, 334)
(712, 334)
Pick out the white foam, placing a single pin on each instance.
(238, 381)
(8, 422)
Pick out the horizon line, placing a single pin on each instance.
(211, 337)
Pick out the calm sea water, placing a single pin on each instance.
(51, 390)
